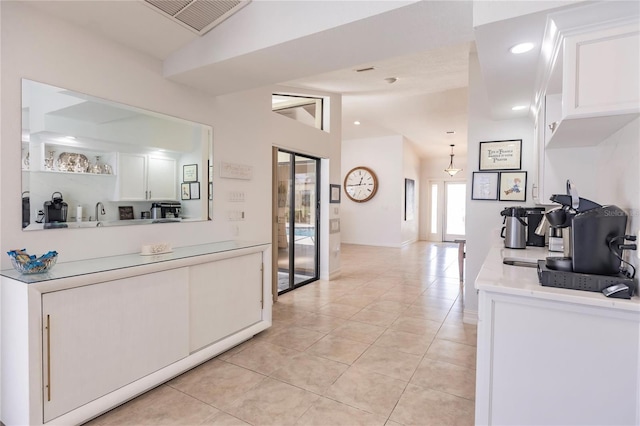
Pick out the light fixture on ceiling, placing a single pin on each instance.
(518, 108)
(391, 80)
(521, 48)
(357, 123)
(452, 169)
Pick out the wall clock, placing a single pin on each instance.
(360, 184)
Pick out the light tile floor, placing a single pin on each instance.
(383, 345)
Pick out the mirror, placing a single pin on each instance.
(90, 162)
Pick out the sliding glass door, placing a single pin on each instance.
(297, 219)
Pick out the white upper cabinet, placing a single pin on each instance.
(596, 58)
(146, 178)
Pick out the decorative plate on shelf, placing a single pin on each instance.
(72, 162)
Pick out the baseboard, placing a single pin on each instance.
(334, 275)
(470, 317)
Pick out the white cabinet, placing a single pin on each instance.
(100, 337)
(103, 331)
(224, 296)
(547, 362)
(590, 89)
(600, 85)
(143, 177)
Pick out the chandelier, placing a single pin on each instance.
(452, 169)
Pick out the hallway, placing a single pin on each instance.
(382, 345)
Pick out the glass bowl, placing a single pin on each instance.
(34, 265)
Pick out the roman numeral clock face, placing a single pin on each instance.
(360, 184)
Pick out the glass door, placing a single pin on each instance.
(297, 220)
(454, 215)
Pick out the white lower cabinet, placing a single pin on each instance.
(100, 337)
(224, 297)
(544, 362)
(77, 345)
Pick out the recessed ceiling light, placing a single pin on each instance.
(519, 107)
(521, 48)
(391, 80)
(357, 123)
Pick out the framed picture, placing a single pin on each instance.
(190, 173)
(194, 190)
(126, 212)
(185, 191)
(484, 186)
(334, 193)
(501, 155)
(513, 186)
(409, 198)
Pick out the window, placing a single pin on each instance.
(304, 109)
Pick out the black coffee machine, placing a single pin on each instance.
(55, 210)
(596, 243)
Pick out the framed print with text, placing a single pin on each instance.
(501, 155)
(194, 190)
(513, 186)
(190, 173)
(484, 186)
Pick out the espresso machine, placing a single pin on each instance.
(55, 211)
(594, 241)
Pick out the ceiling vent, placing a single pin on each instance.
(199, 16)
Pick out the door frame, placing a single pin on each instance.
(274, 222)
(438, 236)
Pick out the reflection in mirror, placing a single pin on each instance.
(305, 109)
(90, 162)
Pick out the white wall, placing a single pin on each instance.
(45, 49)
(377, 221)
(483, 217)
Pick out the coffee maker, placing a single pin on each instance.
(55, 210)
(165, 210)
(514, 229)
(588, 231)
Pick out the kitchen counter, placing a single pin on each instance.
(497, 277)
(548, 355)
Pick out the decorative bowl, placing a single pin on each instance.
(30, 264)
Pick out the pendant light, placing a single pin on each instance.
(451, 169)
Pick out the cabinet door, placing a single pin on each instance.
(161, 179)
(131, 180)
(101, 337)
(601, 72)
(225, 296)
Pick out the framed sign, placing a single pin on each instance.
(484, 186)
(194, 190)
(190, 173)
(185, 191)
(513, 186)
(334, 193)
(126, 212)
(501, 155)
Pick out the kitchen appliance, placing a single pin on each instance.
(56, 209)
(156, 211)
(165, 210)
(593, 241)
(514, 229)
(556, 243)
(534, 216)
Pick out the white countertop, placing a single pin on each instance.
(497, 277)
